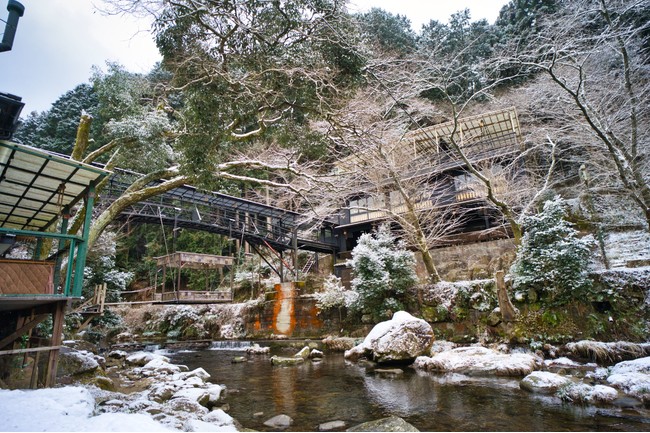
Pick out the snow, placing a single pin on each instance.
(479, 360)
(445, 293)
(160, 364)
(632, 377)
(561, 362)
(640, 365)
(64, 409)
(544, 381)
(382, 328)
(623, 247)
(604, 393)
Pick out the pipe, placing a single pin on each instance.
(16, 10)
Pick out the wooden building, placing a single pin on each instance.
(38, 192)
(488, 139)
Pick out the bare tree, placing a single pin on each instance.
(379, 178)
(592, 51)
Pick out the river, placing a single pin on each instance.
(333, 389)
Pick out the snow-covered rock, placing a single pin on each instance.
(562, 362)
(215, 421)
(117, 354)
(544, 382)
(201, 396)
(303, 353)
(331, 425)
(441, 346)
(256, 349)
(184, 408)
(477, 360)
(286, 361)
(338, 344)
(68, 408)
(161, 392)
(74, 362)
(402, 338)
(315, 354)
(159, 365)
(585, 393)
(215, 394)
(197, 372)
(632, 377)
(142, 358)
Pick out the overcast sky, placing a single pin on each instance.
(58, 41)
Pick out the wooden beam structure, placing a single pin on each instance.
(39, 189)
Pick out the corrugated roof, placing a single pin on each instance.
(36, 185)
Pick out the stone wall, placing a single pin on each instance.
(473, 261)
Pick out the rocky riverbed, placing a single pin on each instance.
(144, 391)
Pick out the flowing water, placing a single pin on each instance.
(333, 389)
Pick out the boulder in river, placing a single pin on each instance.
(338, 344)
(303, 353)
(286, 361)
(544, 382)
(331, 425)
(392, 423)
(279, 421)
(403, 338)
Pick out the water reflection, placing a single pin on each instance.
(403, 395)
(314, 393)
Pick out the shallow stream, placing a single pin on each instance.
(333, 389)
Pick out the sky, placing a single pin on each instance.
(59, 41)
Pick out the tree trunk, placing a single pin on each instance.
(508, 311)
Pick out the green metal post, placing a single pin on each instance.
(83, 246)
(59, 256)
(68, 272)
(37, 249)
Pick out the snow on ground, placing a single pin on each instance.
(65, 409)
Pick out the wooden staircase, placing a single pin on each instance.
(93, 307)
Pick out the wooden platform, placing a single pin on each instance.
(194, 296)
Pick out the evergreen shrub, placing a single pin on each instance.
(383, 272)
(552, 259)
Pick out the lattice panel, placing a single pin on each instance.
(19, 277)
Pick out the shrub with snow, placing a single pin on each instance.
(334, 295)
(552, 258)
(383, 271)
(455, 299)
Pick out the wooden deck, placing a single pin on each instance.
(194, 296)
(149, 295)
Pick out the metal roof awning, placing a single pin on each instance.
(35, 186)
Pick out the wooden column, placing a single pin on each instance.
(58, 315)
